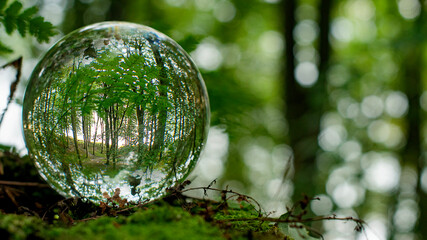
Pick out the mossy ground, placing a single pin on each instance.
(29, 209)
(155, 222)
(37, 212)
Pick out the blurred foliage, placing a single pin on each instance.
(359, 133)
(13, 18)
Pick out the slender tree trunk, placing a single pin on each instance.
(413, 66)
(66, 131)
(75, 129)
(85, 134)
(412, 152)
(114, 132)
(102, 136)
(89, 135)
(141, 126)
(304, 106)
(95, 135)
(162, 104)
(107, 136)
(84, 131)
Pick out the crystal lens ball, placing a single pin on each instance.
(115, 105)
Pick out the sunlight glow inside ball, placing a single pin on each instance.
(115, 105)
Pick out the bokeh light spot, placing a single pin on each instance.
(424, 180)
(271, 42)
(409, 9)
(338, 75)
(224, 11)
(346, 195)
(331, 137)
(211, 163)
(377, 228)
(350, 150)
(207, 56)
(342, 29)
(323, 206)
(361, 9)
(306, 74)
(406, 215)
(306, 32)
(372, 106)
(396, 104)
(306, 54)
(382, 172)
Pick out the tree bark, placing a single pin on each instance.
(412, 68)
(163, 88)
(305, 106)
(74, 127)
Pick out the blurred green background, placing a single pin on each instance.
(318, 97)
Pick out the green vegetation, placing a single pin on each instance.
(158, 222)
(19, 227)
(336, 88)
(13, 18)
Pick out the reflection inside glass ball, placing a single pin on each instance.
(115, 105)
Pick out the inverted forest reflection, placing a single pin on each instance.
(115, 105)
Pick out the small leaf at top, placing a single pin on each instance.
(13, 8)
(22, 27)
(40, 29)
(2, 4)
(27, 13)
(9, 24)
(4, 48)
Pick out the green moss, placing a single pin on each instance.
(245, 212)
(19, 227)
(158, 222)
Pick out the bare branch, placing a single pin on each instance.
(23, 184)
(17, 64)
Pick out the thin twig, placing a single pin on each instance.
(289, 220)
(225, 191)
(17, 64)
(24, 184)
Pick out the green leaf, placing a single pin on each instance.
(22, 27)
(27, 13)
(41, 29)
(10, 18)
(23, 19)
(9, 24)
(2, 4)
(13, 9)
(4, 48)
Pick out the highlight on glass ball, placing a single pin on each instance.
(115, 105)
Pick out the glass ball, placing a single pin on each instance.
(115, 105)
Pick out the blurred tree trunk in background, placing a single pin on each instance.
(74, 16)
(116, 12)
(305, 105)
(412, 68)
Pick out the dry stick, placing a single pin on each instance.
(24, 184)
(119, 211)
(304, 220)
(292, 219)
(295, 219)
(225, 191)
(17, 64)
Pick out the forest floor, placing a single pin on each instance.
(30, 209)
